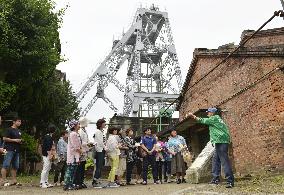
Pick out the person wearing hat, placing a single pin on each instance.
(74, 151)
(80, 172)
(220, 138)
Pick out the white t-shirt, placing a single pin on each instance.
(112, 145)
(99, 140)
(85, 141)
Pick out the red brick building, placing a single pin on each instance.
(249, 88)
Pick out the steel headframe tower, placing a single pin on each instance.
(153, 77)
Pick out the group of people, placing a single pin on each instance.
(69, 157)
(164, 157)
(122, 153)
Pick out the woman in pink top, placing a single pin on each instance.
(74, 151)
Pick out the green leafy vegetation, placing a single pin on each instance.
(30, 50)
(29, 148)
(89, 163)
(6, 93)
(30, 85)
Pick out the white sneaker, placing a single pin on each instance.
(6, 184)
(49, 185)
(44, 185)
(157, 182)
(113, 185)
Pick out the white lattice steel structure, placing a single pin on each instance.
(153, 75)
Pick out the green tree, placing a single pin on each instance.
(29, 43)
(29, 53)
(6, 93)
(48, 101)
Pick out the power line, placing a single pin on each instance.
(282, 2)
(276, 13)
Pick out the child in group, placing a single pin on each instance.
(113, 152)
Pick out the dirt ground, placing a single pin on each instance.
(255, 185)
(152, 189)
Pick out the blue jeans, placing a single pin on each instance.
(221, 157)
(11, 158)
(100, 158)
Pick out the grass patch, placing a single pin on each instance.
(263, 183)
(266, 183)
(29, 179)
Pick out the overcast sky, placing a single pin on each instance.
(90, 25)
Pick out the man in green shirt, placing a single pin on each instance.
(220, 138)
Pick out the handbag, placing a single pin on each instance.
(141, 152)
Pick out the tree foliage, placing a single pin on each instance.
(30, 147)
(6, 93)
(29, 53)
(45, 102)
(29, 44)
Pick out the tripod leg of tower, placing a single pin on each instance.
(153, 67)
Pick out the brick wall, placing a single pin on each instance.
(265, 37)
(256, 116)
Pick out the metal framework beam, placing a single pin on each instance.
(149, 48)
